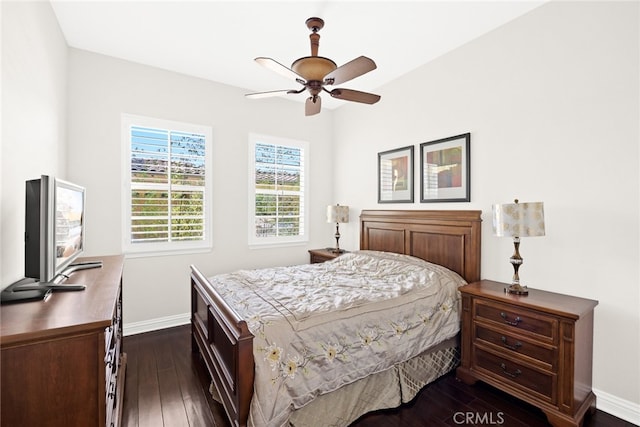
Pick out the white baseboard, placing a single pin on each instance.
(617, 407)
(156, 324)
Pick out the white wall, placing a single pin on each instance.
(551, 101)
(101, 88)
(34, 97)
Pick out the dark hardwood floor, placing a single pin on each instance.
(165, 386)
(165, 383)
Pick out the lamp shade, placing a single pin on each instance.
(518, 219)
(337, 214)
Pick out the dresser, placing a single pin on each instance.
(322, 255)
(62, 359)
(537, 348)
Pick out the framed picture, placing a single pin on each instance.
(395, 176)
(445, 170)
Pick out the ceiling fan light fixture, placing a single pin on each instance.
(315, 72)
(313, 68)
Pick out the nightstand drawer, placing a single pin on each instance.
(519, 375)
(515, 318)
(544, 355)
(322, 255)
(315, 258)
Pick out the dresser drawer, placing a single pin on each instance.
(520, 375)
(514, 318)
(544, 355)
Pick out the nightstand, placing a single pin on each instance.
(322, 255)
(538, 348)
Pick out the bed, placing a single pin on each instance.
(244, 357)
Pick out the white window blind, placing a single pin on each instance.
(167, 187)
(277, 191)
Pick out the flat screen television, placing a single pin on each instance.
(54, 229)
(53, 240)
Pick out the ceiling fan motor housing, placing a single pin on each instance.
(313, 68)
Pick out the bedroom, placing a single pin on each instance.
(559, 83)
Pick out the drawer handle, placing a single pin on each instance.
(515, 347)
(112, 390)
(108, 359)
(514, 374)
(509, 322)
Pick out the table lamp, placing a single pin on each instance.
(338, 214)
(518, 220)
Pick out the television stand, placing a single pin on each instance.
(35, 293)
(29, 289)
(48, 286)
(57, 285)
(86, 264)
(65, 287)
(81, 266)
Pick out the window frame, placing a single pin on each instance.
(174, 247)
(265, 242)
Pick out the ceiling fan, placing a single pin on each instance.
(315, 72)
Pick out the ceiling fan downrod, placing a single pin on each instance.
(315, 25)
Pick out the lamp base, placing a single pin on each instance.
(516, 289)
(336, 250)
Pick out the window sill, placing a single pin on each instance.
(159, 253)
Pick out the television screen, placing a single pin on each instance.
(69, 210)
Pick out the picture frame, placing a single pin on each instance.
(445, 169)
(395, 175)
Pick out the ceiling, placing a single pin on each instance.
(218, 40)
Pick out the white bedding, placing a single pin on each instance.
(318, 327)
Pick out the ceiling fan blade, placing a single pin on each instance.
(271, 93)
(274, 65)
(355, 95)
(312, 106)
(350, 70)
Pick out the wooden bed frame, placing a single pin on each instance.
(221, 336)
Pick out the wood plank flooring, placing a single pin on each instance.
(165, 383)
(165, 386)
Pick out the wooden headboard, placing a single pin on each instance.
(448, 238)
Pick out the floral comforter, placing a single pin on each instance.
(318, 327)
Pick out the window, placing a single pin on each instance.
(277, 186)
(167, 186)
